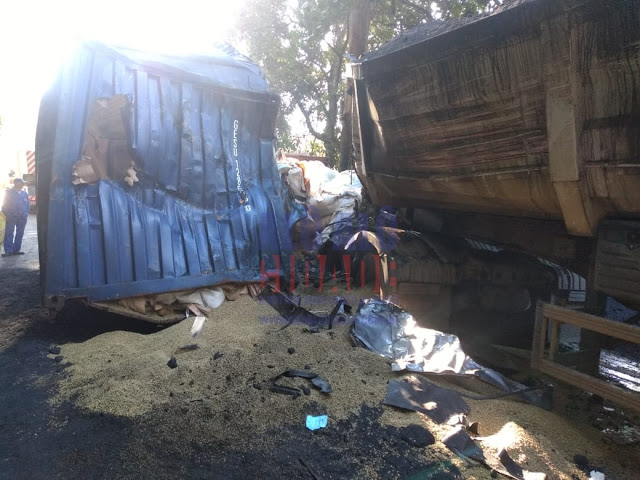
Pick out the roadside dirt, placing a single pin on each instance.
(112, 408)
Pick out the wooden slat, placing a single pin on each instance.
(553, 342)
(557, 315)
(539, 337)
(601, 325)
(599, 387)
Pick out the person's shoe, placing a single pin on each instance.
(18, 253)
(6, 254)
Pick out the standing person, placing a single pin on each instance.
(16, 210)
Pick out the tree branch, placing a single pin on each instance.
(420, 8)
(307, 119)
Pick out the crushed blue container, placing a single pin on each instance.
(207, 208)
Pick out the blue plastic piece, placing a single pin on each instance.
(314, 423)
(208, 208)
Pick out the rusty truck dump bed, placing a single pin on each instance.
(531, 112)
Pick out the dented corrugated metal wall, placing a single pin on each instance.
(207, 207)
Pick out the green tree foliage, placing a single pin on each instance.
(301, 45)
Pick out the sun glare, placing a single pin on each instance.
(36, 35)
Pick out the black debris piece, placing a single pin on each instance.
(306, 390)
(460, 443)
(321, 384)
(187, 348)
(257, 386)
(172, 363)
(516, 471)
(59, 358)
(318, 382)
(294, 392)
(299, 374)
(420, 395)
(417, 436)
(218, 355)
(512, 467)
(311, 471)
(54, 349)
(581, 462)
(292, 312)
(291, 350)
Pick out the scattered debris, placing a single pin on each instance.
(298, 373)
(311, 330)
(284, 390)
(186, 348)
(315, 423)
(291, 350)
(172, 363)
(59, 358)
(196, 328)
(417, 436)
(54, 349)
(218, 355)
(176, 306)
(321, 384)
(515, 470)
(329, 196)
(292, 312)
(317, 381)
(459, 442)
(420, 395)
(581, 462)
(388, 330)
(306, 390)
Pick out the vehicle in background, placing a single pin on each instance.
(31, 191)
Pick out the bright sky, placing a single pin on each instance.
(35, 36)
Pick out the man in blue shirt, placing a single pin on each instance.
(16, 210)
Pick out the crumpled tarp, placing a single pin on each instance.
(390, 331)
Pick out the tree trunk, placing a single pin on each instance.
(359, 19)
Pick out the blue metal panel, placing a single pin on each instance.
(208, 206)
